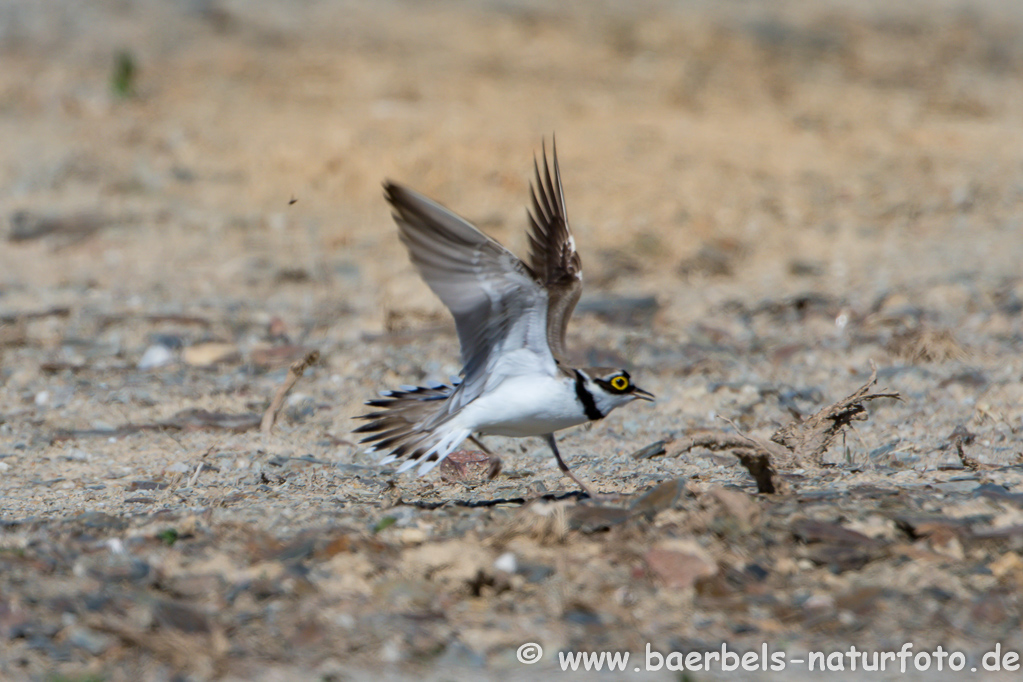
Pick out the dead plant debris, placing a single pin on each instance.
(295, 373)
(810, 438)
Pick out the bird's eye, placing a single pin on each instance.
(619, 383)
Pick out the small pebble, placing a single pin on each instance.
(506, 562)
(156, 356)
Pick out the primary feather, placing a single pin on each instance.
(552, 253)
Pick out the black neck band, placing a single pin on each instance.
(586, 398)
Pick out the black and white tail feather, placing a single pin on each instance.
(396, 426)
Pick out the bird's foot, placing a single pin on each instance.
(494, 469)
(590, 492)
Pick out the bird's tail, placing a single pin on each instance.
(400, 427)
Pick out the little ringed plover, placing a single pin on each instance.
(511, 318)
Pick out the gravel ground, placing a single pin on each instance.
(769, 197)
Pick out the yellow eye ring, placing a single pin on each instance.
(619, 383)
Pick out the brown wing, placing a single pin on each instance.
(552, 254)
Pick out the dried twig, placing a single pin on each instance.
(959, 437)
(195, 476)
(759, 466)
(810, 438)
(769, 448)
(802, 443)
(295, 373)
(757, 460)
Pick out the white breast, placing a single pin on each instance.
(530, 405)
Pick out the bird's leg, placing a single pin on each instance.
(478, 443)
(568, 472)
(495, 461)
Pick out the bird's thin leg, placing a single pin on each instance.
(568, 472)
(495, 461)
(478, 443)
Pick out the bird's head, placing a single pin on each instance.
(612, 388)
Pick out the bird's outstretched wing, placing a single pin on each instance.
(552, 254)
(498, 305)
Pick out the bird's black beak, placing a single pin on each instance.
(643, 395)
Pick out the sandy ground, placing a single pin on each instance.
(767, 196)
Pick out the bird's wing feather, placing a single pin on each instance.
(552, 253)
(496, 300)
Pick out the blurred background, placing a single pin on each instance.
(757, 145)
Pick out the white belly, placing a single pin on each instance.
(524, 406)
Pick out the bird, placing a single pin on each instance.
(510, 317)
